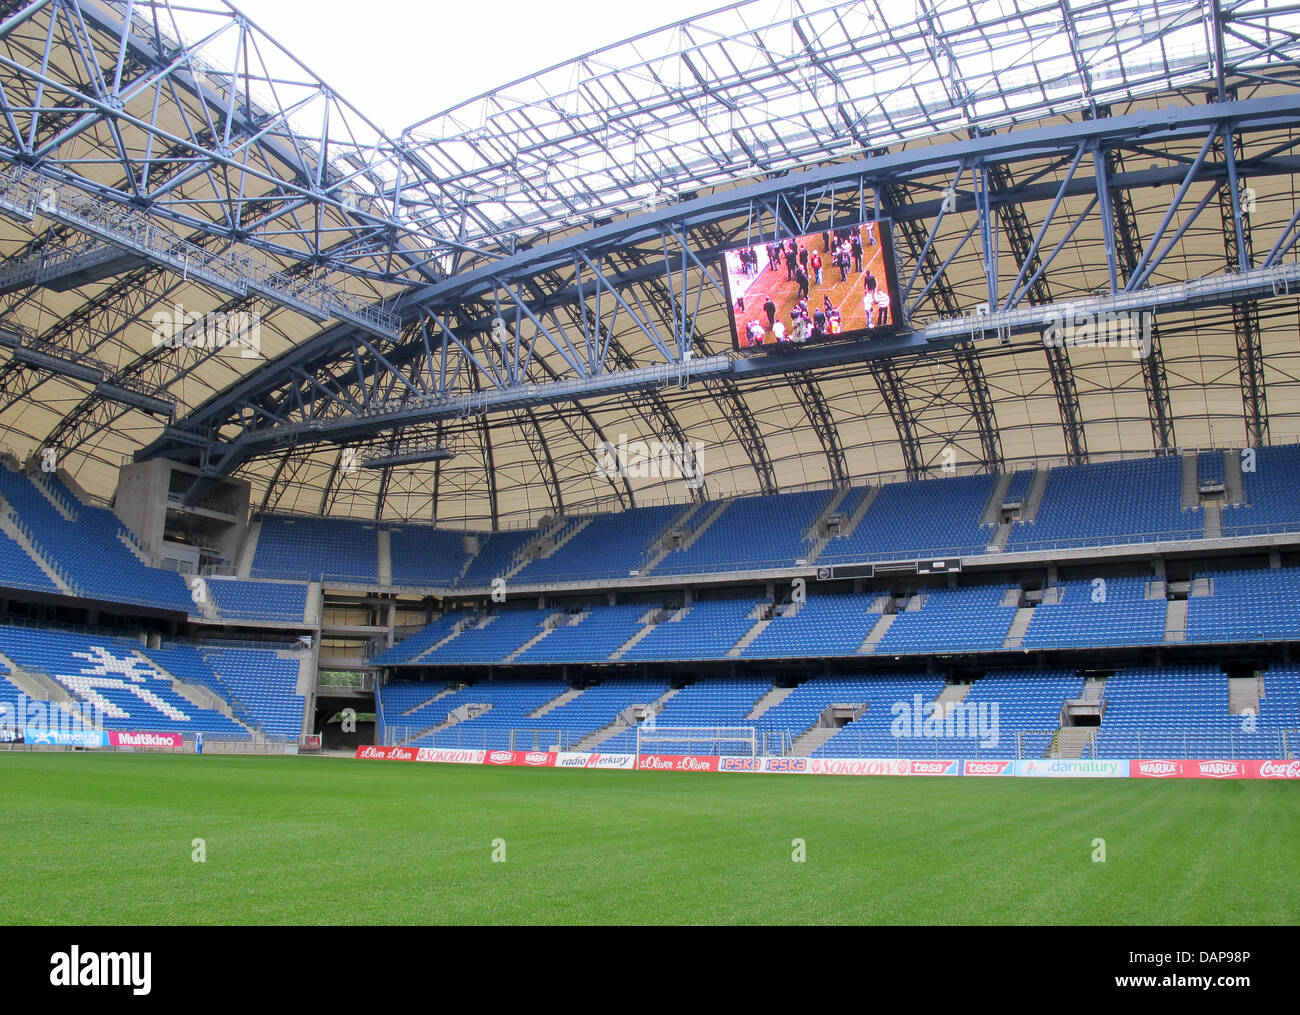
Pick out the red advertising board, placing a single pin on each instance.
(677, 763)
(1212, 768)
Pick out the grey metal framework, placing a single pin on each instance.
(535, 271)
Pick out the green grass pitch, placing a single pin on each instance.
(108, 838)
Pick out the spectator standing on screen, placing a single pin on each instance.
(774, 256)
(869, 283)
(882, 306)
(769, 308)
(815, 262)
(856, 245)
(791, 259)
(801, 278)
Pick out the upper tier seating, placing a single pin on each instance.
(1210, 467)
(609, 546)
(1098, 504)
(750, 533)
(19, 571)
(92, 549)
(423, 555)
(705, 630)
(1018, 488)
(951, 620)
(1115, 612)
(342, 549)
(1272, 492)
(410, 648)
(1247, 605)
(927, 518)
(825, 625)
(594, 638)
(259, 600)
(493, 638)
(496, 555)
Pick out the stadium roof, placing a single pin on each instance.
(144, 176)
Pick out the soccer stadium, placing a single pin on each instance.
(853, 434)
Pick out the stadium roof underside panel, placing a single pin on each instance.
(237, 268)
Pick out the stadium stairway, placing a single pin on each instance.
(556, 702)
(195, 694)
(205, 602)
(951, 695)
(1234, 490)
(762, 615)
(992, 513)
(1243, 695)
(463, 624)
(661, 545)
(1034, 498)
(881, 627)
(459, 714)
(65, 508)
(1019, 625)
(810, 740)
(771, 699)
(816, 536)
(1190, 489)
(850, 523)
(549, 624)
(36, 685)
(450, 689)
(384, 546)
(10, 527)
(1094, 690)
(248, 551)
(625, 720)
(1071, 741)
(1176, 621)
(696, 532)
(652, 619)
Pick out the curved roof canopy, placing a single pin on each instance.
(146, 180)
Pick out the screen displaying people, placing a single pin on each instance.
(827, 286)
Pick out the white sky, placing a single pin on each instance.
(399, 61)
